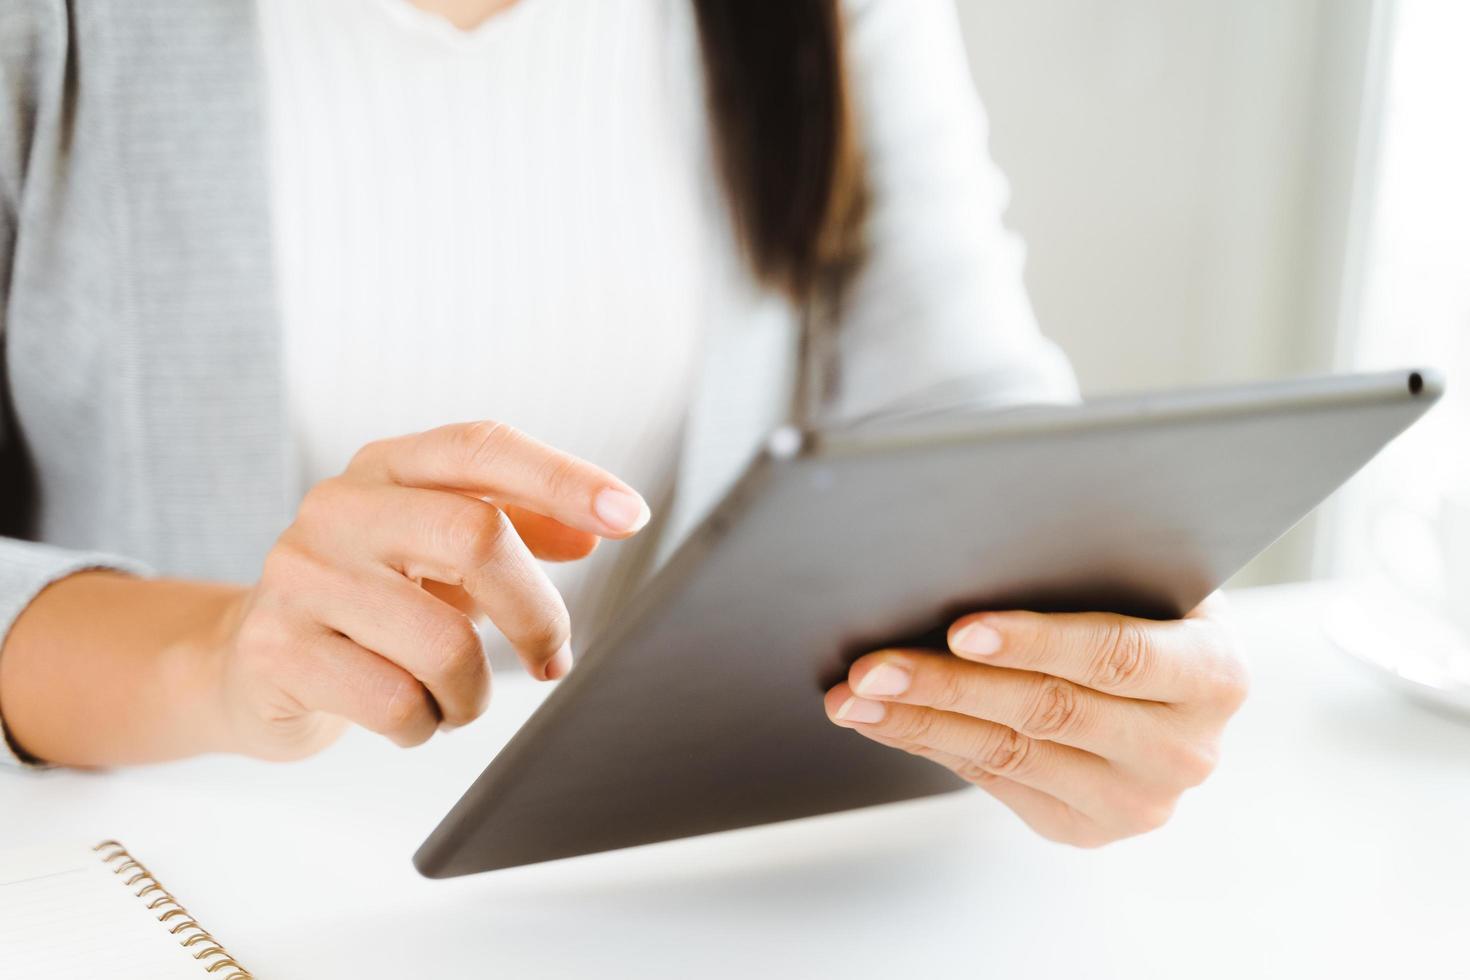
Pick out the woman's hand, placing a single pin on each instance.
(364, 610)
(1089, 726)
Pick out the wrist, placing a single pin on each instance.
(192, 671)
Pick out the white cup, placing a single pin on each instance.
(1453, 527)
(1445, 584)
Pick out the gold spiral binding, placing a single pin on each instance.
(213, 957)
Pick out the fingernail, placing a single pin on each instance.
(863, 712)
(884, 680)
(621, 511)
(977, 639)
(561, 664)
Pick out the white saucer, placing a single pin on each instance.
(1405, 642)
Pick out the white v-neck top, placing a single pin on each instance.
(521, 222)
(504, 223)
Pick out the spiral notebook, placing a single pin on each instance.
(73, 913)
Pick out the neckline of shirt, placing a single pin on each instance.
(439, 29)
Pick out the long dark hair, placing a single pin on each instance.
(784, 136)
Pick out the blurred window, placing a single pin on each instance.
(1409, 303)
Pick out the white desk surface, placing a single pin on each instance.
(1333, 841)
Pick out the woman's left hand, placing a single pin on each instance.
(1088, 725)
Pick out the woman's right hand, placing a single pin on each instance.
(364, 609)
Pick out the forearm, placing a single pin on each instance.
(105, 669)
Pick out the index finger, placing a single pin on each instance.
(491, 459)
(1168, 661)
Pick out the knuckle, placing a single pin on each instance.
(368, 456)
(405, 712)
(563, 477)
(1008, 754)
(1150, 816)
(1055, 710)
(1228, 678)
(321, 503)
(483, 444)
(972, 772)
(1190, 765)
(914, 725)
(1233, 684)
(454, 644)
(287, 564)
(264, 636)
(1138, 810)
(477, 535)
(1123, 657)
(948, 688)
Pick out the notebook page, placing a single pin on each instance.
(64, 914)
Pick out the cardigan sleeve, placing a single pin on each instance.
(32, 67)
(937, 315)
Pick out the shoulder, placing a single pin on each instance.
(914, 43)
(900, 21)
(910, 77)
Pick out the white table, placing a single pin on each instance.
(1334, 840)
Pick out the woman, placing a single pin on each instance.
(245, 244)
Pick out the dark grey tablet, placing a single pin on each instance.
(701, 709)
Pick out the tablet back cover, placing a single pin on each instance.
(701, 710)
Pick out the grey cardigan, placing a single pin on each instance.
(141, 420)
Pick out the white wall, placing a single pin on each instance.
(1181, 171)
